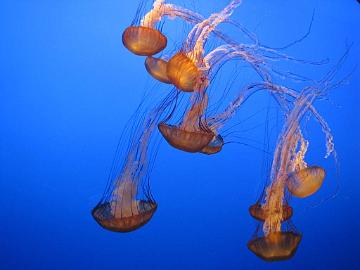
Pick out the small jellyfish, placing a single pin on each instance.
(305, 182)
(275, 246)
(215, 146)
(258, 212)
(157, 68)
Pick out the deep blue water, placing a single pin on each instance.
(67, 88)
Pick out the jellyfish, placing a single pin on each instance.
(275, 246)
(143, 38)
(188, 141)
(144, 41)
(124, 212)
(305, 182)
(157, 68)
(191, 135)
(186, 69)
(259, 213)
(128, 203)
(183, 73)
(121, 210)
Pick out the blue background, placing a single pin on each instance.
(67, 87)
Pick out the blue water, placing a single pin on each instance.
(67, 88)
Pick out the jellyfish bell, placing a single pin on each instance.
(258, 212)
(215, 146)
(156, 67)
(184, 74)
(187, 69)
(105, 218)
(305, 182)
(144, 41)
(188, 141)
(123, 212)
(275, 246)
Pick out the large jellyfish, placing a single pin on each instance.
(127, 203)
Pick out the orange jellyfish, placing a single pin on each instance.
(305, 182)
(124, 208)
(275, 246)
(128, 203)
(142, 38)
(157, 68)
(144, 41)
(277, 243)
(258, 212)
(192, 135)
(124, 212)
(186, 69)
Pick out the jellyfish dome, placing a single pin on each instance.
(275, 246)
(215, 146)
(188, 141)
(123, 212)
(260, 213)
(144, 41)
(306, 182)
(157, 68)
(183, 72)
(133, 218)
(142, 37)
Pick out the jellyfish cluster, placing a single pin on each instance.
(189, 71)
